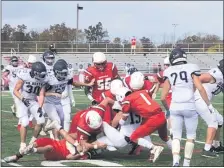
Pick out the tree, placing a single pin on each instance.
(146, 44)
(95, 33)
(117, 40)
(7, 32)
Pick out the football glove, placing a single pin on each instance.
(26, 102)
(40, 112)
(94, 102)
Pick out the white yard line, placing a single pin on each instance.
(12, 164)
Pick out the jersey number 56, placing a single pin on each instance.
(104, 84)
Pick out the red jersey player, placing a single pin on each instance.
(103, 72)
(147, 85)
(142, 104)
(109, 113)
(159, 77)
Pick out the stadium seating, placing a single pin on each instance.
(205, 61)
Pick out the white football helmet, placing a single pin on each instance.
(32, 59)
(93, 119)
(99, 57)
(114, 85)
(137, 81)
(99, 60)
(121, 93)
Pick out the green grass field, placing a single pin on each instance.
(10, 142)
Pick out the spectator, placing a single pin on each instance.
(133, 44)
(81, 73)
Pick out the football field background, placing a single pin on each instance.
(10, 142)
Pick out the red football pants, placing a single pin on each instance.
(150, 125)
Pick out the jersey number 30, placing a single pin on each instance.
(104, 84)
(32, 89)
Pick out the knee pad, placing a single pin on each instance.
(24, 121)
(40, 120)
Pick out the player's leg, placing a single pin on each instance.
(60, 112)
(31, 121)
(117, 139)
(67, 116)
(22, 114)
(212, 123)
(217, 145)
(13, 107)
(162, 131)
(53, 116)
(177, 125)
(191, 123)
(39, 119)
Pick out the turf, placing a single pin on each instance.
(10, 141)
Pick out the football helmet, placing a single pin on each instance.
(60, 70)
(93, 119)
(14, 61)
(48, 57)
(137, 81)
(166, 62)
(99, 60)
(114, 85)
(221, 65)
(177, 56)
(121, 93)
(32, 59)
(38, 71)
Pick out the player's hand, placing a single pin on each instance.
(64, 95)
(26, 102)
(211, 108)
(94, 102)
(40, 112)
(146, 78)
(116, 107)
(92, 82)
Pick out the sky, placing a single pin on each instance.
(122, 18)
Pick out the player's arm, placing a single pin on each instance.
(41, 97)
(116, 119)
(16, 91)
(200, 88)
(207, 78)
(115, 72)
(165, 91)
(125, 111)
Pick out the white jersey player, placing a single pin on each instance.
(10, 75)
(56, 86)
(213, 84)
(182, 78)
(29, 85)
(67, 98)
(81, 73)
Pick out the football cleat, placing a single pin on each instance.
(9, 159)
(154, 153)
(22, 147)
(219, 149)
(210, 154)
(53, 125)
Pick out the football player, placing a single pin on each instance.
(31, 59)
(182, 78)
(160, 79)
(81, 73)
(103, 72)
(10, 75)
(30, 84)
(67, 98)
(56, 85)
(139, 102)
(213, 84)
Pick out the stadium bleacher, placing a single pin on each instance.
(205, 61)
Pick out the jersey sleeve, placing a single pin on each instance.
(126, 105)
(195, 70)
(166, 74)
(22, 74)
(115, 71)
(100, 109)
(217, 74)
(88, 75)
(8, 68)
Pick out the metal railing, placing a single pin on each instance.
(70, 47)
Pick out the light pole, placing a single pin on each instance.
(77, 24)
(174, 33)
